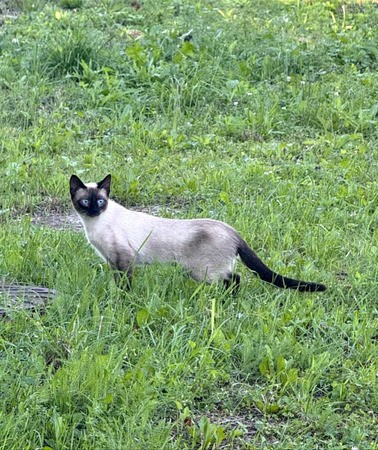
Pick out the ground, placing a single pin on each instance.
(262, 114)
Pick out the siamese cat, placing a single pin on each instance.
(206, 248)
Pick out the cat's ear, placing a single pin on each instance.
(105, 184)
(75, 184)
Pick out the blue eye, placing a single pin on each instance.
(100, 201)
(84, 202)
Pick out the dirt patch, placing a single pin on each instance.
(240, 430)
(69, 220)
(7, 11)
(58, 220)
(242, 424)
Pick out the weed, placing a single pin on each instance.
(71, 4)
(73, 53)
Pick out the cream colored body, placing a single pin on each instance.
(207, 248)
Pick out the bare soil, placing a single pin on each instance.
(69, 220)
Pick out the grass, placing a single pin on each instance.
(265, 118)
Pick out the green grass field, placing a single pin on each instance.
(260, 113)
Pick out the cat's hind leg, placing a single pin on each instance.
(215, 272)
(232, 282)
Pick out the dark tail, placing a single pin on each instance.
(254, 263)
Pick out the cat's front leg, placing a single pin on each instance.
(121, 264)
(123, 278)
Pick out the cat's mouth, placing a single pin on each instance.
(92, 213)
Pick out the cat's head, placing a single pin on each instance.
(90, 199)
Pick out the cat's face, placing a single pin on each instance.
(90, 199)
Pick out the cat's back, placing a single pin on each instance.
(119, 220)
